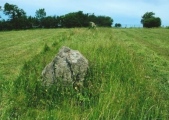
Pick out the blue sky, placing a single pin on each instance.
(126, 12)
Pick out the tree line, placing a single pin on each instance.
(19, 20)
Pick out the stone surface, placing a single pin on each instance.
(92, 25)
(67, 68)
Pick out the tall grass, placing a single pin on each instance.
(116, 85)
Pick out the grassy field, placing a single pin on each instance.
(128, 76)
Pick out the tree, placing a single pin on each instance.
(40, 13)
(149, 20)
(17, 16)
(0, 10)
(50, 22)
(74, 19)
(13, 11)
(104, 21)
(79, 19)
(117, 25)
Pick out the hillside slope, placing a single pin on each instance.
(128, 76)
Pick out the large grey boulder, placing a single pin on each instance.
(69, 67)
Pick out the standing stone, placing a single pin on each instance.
(67, 68)
(92, 25)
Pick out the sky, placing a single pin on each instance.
(126, 12)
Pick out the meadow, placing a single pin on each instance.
(128, 77)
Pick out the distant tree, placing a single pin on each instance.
(5, 25)
(92, 17)
(104, 21)
(117, 25)
(79, 19)
(13, 11)
(74, 19)
(17, 16)
(40, 13)
(32, 22)
(50, 22)
(149, 20)
(0, 10)
(19, 20)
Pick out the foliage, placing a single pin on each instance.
(148, 20)
(103, 21)
(0, 9)
(40, 14)
(79, 19)
(17, 16)
(117, 25)
(167, 27)
(75, 19)
(19, 20)
(13, 11)
(50, 22)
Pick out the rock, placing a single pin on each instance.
(69, 67)
(92, 25)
